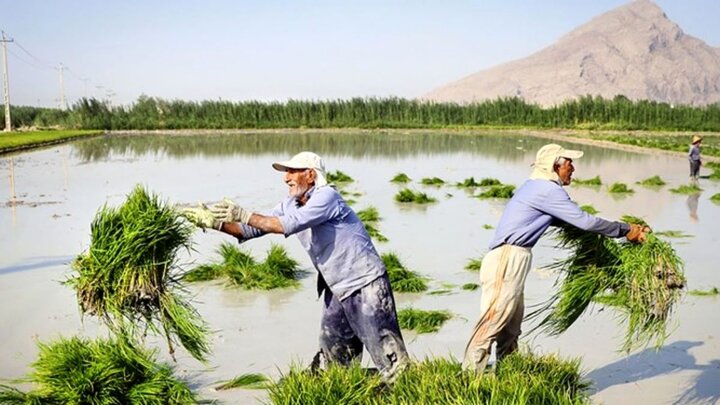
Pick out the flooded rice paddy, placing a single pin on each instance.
(48, 198)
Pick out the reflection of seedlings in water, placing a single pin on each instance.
(470, 286)
(278, 270)
(408, 196)
(655, 181)
(673, 234)
(589, 209)
(715, 198)
(595, 181)
(432, 181)
(338, 177)
(489, 181)
(620, 188)
(713, 292)
(687, 189)
(370, 217)
(468, 183)
(22, 203)
(534, 379)
(422, 321)
(401, 178)
(402, 279)
(474, 264)
(488, 226)
(502, 191)
(101, 371)
(247, 381)
(442, 291)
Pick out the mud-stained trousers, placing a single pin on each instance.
(502, 277)
(367, 317)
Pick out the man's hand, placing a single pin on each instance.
(201, 217)
(227, 211)
(638, 233)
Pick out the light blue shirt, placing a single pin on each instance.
(694, 153)
(539, 203)
(334, 237)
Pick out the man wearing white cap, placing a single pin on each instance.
(359, 308)
(538, 203)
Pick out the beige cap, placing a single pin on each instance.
(546, 158)
(305, 160)
(696, 138)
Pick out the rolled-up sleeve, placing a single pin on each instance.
(559, 205)
(321, 207)
(250, 232)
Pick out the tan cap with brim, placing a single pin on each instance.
(305, 160)
(546, 158)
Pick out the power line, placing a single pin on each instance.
(40, 61)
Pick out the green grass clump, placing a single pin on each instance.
(589, 209)
(489, 181)
(642, 282)
(129, 278)
(521, 378)
(432, 181)
(474, 264)
(595, 181)
(713, 292)
(408, 196)
(715, 198)
(687, 189)
(19, 140)
(278, 270)
(620, 188)
(401, 178)
(488, 226)
(468, 183)
(422, 321)
(402, 279)
(501, 191)
(655, 181)
(82, 371)
(338, 177)
(247, 381)
(470, 286)
(370, 217)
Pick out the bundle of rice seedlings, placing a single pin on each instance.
(402, 279)
(247, 381)
(620, 188)
(129, 277)
(432, 181)
(654, 181)
(370, 217)
(470, 286)
(278, 270)
(338, 177)
(713, 292)
(595, 181)
(401, 178)
(715, 198)
(521, 378)
(468, 183)
(687, 189)
(101, 371)
(422, 321)
(408, 196)
(489, 181)
(642, 282)
(474, 264)
(501, 191)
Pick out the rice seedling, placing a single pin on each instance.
(642, 282)
(101, 371)
(687, 189)
(247, 381)
(673, 234)
(489, 181)
(589, 209)
(468, 183)
(470, 286)
(338, 177)
(712, 165)
(713, 292)
(370, 217)
(432, 181)
(408, 196)
(347, 194)
(620, 188)
(631, 219)
(474, 264)
(595, 181)
(441, 291)
(501, 191)
(521, 378)
(715, 198)
(401, 178)
(129, 278)
(488, 226)
(402, 279)
(278, 270)
(422, 321)
(654, 181)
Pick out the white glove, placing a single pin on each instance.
(201, 217)
(227, 211)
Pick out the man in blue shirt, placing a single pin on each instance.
(359, 308)
(538, 203)
(694, 158)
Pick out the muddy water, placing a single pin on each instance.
(56, 192)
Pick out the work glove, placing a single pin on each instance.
(227, 211)
(638, 233)
(201, 216)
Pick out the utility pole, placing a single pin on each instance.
(6, 83)
(63, 103)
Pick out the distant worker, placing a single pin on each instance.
(540, 202)
(359, 308)
(694, 157)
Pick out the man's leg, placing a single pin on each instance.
(338, 342)
(507, 340)
(371, 313)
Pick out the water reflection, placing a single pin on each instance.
(692, 204)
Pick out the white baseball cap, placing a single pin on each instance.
(305, 160)
(545, 160)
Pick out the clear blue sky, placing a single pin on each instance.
(276, 50)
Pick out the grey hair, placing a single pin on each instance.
(559, 161)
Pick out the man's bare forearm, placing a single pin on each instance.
(266, 224)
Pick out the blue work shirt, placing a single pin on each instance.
(334, 237)
(536, 205)
(694, 153)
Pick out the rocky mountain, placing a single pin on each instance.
(633, 50)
